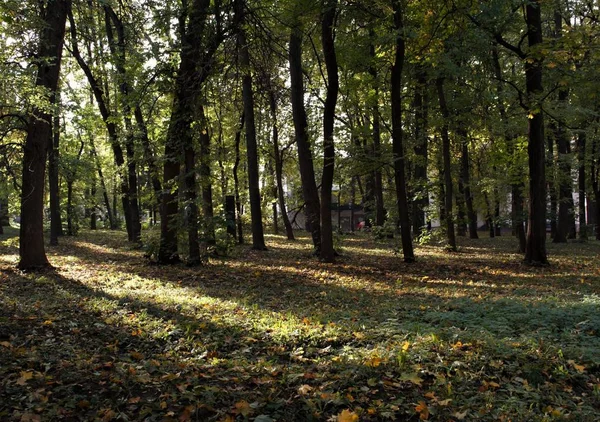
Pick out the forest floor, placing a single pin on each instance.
(278, 336)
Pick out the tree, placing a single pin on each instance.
(397, 144)
(328, 12)
(32, 253)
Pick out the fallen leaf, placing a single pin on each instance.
(422, 410)
(412, 377)
(243, 408)
(347, 416)
(25, 376)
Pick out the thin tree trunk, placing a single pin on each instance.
(517, 185)
(111, 217)
(258, 238)
(447, 167)
(307, 173)
(32, 253)
(206, 180)
(397, 142)
(53, 186)
(377, 176)
(236, 181)
(190, 197)
(466, 180)
(328, 13)
(421, 202)
(581, 141)
(289, 231)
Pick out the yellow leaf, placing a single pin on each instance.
(47, 322)
(422, 410)
(405, 346)
(5, 343)
(163, 405)
(373, 361)
(412, 377)
(445, 402)
(431, 396)
(25, 376)
(243, 408)
(137, 355)
(347, 416)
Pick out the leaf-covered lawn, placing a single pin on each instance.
(276, 335)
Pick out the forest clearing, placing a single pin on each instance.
(279, 336)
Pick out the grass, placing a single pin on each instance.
(276, 335)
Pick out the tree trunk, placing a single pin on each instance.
(194, 68)
(258, 238)
(102, 100)
(535, 250)
(236, 181)
(32, 254)
(53, 186)
(421, 201)
(328, 13)
(4, 217)
(307, 172)
(516, 175)
(111, 217)
(289, 231)
(581, 141)
(376, 121)
(448, 217)
(206, 180)
(461, 216)
(191, 208)
(397, 145)
(465, 174)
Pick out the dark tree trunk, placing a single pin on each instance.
(420, 182)
(328, 13)
(565, 183)
(258, 238)
(4, 218)
(194, 68)
(448, 217)
(118, 51)
(307, 172)
(206, 180)
(102, 100)
(497, 227)
(111, 217)
(397, 145)
(93, 215)
(53, 186)
(191, 208)
(70, 230)
(352, 202)
(551, 181)
(148, 155)
(489, 221)
(32, 253)
(236, 181)
(377, 176)
(517, 186)
(465, 175)
(535, 250)
(461, 216)
(581, 141)
(289, 231)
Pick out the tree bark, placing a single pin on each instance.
(397, 141)
(111, 217)
(32, 253)
(465, 175)
(516, 175)
(535, 249)
(258, 238)
(581, 141)
(206, 180)
(236, 180)
(289, 231)
(448, 188)
(190, 196)
(420, 182)
(307, 172)
(53, 185)
(376, 122)
(328, 13)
